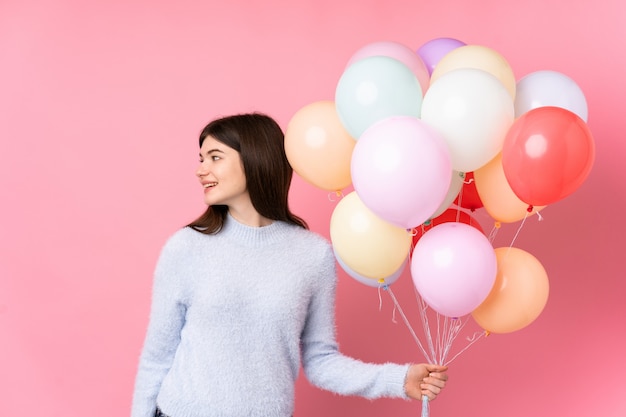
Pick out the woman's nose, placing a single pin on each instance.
(201, 171)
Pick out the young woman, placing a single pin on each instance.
(245, 294)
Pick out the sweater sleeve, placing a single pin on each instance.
(167, 318)
(325, 366)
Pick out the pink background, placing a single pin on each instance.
(100, 106)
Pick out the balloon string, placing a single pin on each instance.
(423, 308)
(459, 197)
(458, 214)
(447, 330)
(338, 194)
(393, 315)
(425, 407)
(517, 233)
(494, 232)
(406, 321)
(475, 338)
(452, 329)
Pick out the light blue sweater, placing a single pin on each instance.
(233, 317)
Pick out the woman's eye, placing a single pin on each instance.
(215, 158)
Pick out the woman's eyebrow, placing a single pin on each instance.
(210, 151)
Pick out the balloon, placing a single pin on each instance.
(453, 267)
(370, 282)
(318, 147)
(456, 184)
(473, 112)
(368, 245)
(449, 215)
(547, 154)
(519, 294)
(468, 196)
(549, 88)
(498, 198)
(397, 51)
(478, 57)
(435, 49)
(373, 89)
(401, 170)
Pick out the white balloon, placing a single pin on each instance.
(549, 88)
(473, 111)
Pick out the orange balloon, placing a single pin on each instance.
(519, 294)
(478, 57)
(368, 245)
(318, 147)
(496, 195)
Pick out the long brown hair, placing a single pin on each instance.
(261, 146)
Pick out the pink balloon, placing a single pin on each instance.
(432, 51)
(399, 52)
(371, 282)
(453, 267)
(401, 170)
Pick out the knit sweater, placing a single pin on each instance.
(234, 315)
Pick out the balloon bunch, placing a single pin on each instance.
(424, 135)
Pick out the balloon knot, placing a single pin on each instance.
(530, 208)
(428, 222)
(497, 225)
(381, 281)
(487, 333)
(338, 194)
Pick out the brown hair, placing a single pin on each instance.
(261, 146)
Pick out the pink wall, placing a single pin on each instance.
(100, 106)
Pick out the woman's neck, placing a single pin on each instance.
(249, 217)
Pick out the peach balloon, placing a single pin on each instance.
(478, 57)
(318, 147)
(368, 245)
(496, 195)
(519, 294)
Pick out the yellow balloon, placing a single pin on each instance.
(478, 57)
(368, 245)
(519, 294)
(498, 199)
(318, 147)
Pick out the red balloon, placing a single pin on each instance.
(547, 154)
(468, 197)
(450, 215)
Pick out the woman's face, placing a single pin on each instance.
(221, 174)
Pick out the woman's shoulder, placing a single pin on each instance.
(182, 239)
(309, 236)
(310, 242)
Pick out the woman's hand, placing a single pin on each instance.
(425, 379)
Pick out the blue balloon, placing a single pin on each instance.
(371, 282)
(373, 89)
